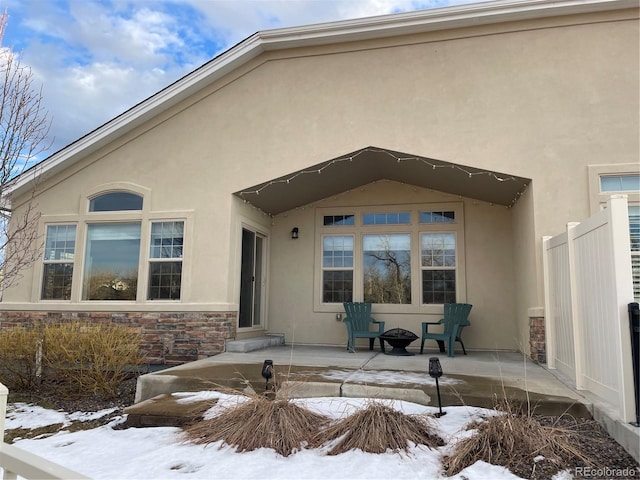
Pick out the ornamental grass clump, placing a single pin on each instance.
(85, 358)
(70, 358)
(377, 429)
(260, 423)
(516, 441)
(20, 368)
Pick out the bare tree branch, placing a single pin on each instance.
(24, 128)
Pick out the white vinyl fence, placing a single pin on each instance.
(588, 286)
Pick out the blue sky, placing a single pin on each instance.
(96, 58)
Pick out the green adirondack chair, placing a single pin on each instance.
(455, 319)
(359, 322)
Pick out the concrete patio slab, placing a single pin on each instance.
(478, 379)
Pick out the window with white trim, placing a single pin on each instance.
(112, 256)
(59, 253)
(116, 202)
(406, 255)
(619, 183)
(386, 274)
(337, 268)
(438, 264)
(127, 253)
(165, 261)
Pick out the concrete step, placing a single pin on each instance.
(165, 411)
(256, 343)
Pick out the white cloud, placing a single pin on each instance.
(96, 59)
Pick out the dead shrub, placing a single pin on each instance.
(515, 440)
(90, 358)
(260, 423)
(378, 428)
(18, 354)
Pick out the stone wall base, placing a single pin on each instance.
(167, 338)
(537, 345)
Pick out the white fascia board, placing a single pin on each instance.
(309, 35)
(446, 18)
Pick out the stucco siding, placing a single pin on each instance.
(539, 99)
(487, 259)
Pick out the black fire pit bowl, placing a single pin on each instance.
(399, 339)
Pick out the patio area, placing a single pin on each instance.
(320, 371)
(317, 371)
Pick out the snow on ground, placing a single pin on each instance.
(24, 415)
(160, 453)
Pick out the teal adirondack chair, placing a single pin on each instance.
(455, 319)
(359, 322)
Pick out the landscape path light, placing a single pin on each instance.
(267, 372)
(435, 371)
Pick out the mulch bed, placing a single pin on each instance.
(609, 459)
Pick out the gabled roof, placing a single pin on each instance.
(303, 36)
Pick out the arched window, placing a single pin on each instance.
(128, 254)
(115, 201)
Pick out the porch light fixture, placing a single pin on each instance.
(267, 372)
(435, 371)
(294, 233)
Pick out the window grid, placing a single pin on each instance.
(435, 280)
(389, 218)
(59, 255)
(438, 217)
(165, 265)
(438, 286)
(338, 220)
(166, 240)
(337, 268)
(60, 244)
(438, 264)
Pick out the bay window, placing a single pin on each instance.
(128, 253)
(404, 256)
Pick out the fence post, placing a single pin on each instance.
(621, 260)
(4, 392)
(549, 323)
(575, 314)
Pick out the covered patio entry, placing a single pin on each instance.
(442, 227)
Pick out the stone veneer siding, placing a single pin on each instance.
(537, 345)
(167, 338)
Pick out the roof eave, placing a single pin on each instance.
(309, 35)
(444, 18)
